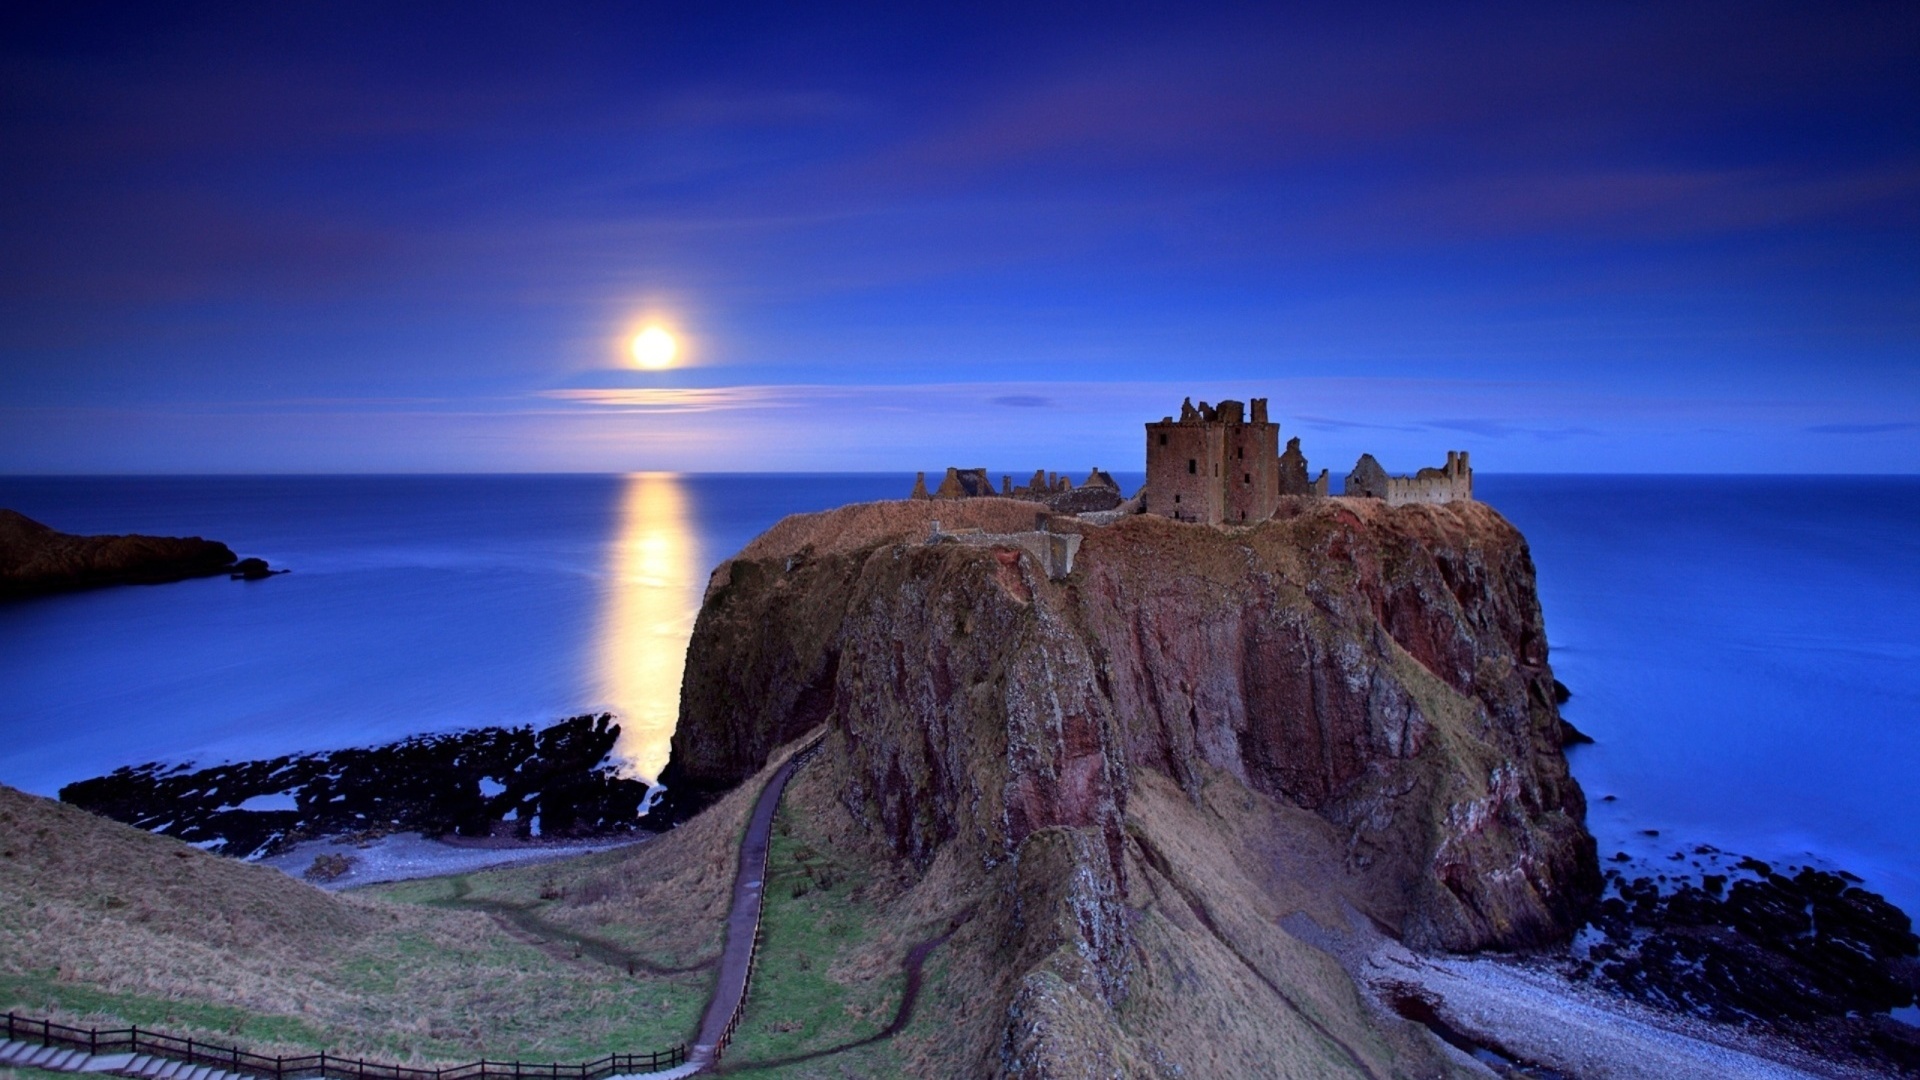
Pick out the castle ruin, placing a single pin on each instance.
(1219, 465)
(1215, 465)
(1098, 492)
(1452, 482)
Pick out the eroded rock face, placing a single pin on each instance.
(36, 559)
(1384, 668)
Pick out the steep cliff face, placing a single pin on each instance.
(1378, 672)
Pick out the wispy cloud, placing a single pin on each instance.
(1022, 401)
(1503, 429)
(1327, 423)
(1861, 429)
(680, 399)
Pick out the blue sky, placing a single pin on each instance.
(411, 238)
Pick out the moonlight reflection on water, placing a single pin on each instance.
(654, 589)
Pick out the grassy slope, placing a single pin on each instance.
(108, 925)
(101, 924)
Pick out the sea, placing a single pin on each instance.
(1745, 651)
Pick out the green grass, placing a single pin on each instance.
(808, 991)
(41, 993)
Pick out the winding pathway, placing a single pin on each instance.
(743, 920)
(716, 1026)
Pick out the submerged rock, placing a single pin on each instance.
(252, 570)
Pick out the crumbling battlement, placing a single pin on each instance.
(1056, 490)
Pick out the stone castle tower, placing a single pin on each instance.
(1215, 464)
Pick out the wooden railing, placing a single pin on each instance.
(134, 1040)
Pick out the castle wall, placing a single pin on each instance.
(1250, 471)
(1450, 483)
(1214, 465)
(1183, 471)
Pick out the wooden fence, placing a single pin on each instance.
(134, 1040)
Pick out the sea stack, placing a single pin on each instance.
(1150, 760)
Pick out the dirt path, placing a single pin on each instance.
(525, 919)
(915, 960)
(743, 920)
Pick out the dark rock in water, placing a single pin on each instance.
(1815, 958)
(1573, 736)
(1561, 695)
(433, 784)
(682, 797)
(252, 570)
(35, 559)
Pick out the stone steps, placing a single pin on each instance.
(145, 1066)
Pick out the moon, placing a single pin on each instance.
(654, 349)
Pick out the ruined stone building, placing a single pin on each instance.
(1452, 482)
(1215, 464)
(1218, 465)
(1056, 490)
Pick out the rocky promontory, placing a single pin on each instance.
(36, 559)
(1135, 769)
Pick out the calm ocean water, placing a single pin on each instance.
(1745, 650)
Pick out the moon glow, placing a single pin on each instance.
(654, 349)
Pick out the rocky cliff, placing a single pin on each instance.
(37, 559)
(1364, 684)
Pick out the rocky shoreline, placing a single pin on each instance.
(36, 559)
(1806, 955)
(510, 782)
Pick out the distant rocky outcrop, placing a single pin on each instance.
(36, 559)
(1371, 681)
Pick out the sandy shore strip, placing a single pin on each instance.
(404, 856)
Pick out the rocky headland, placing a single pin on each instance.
(36, 559)
(1132, 782)
(1138, 769)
